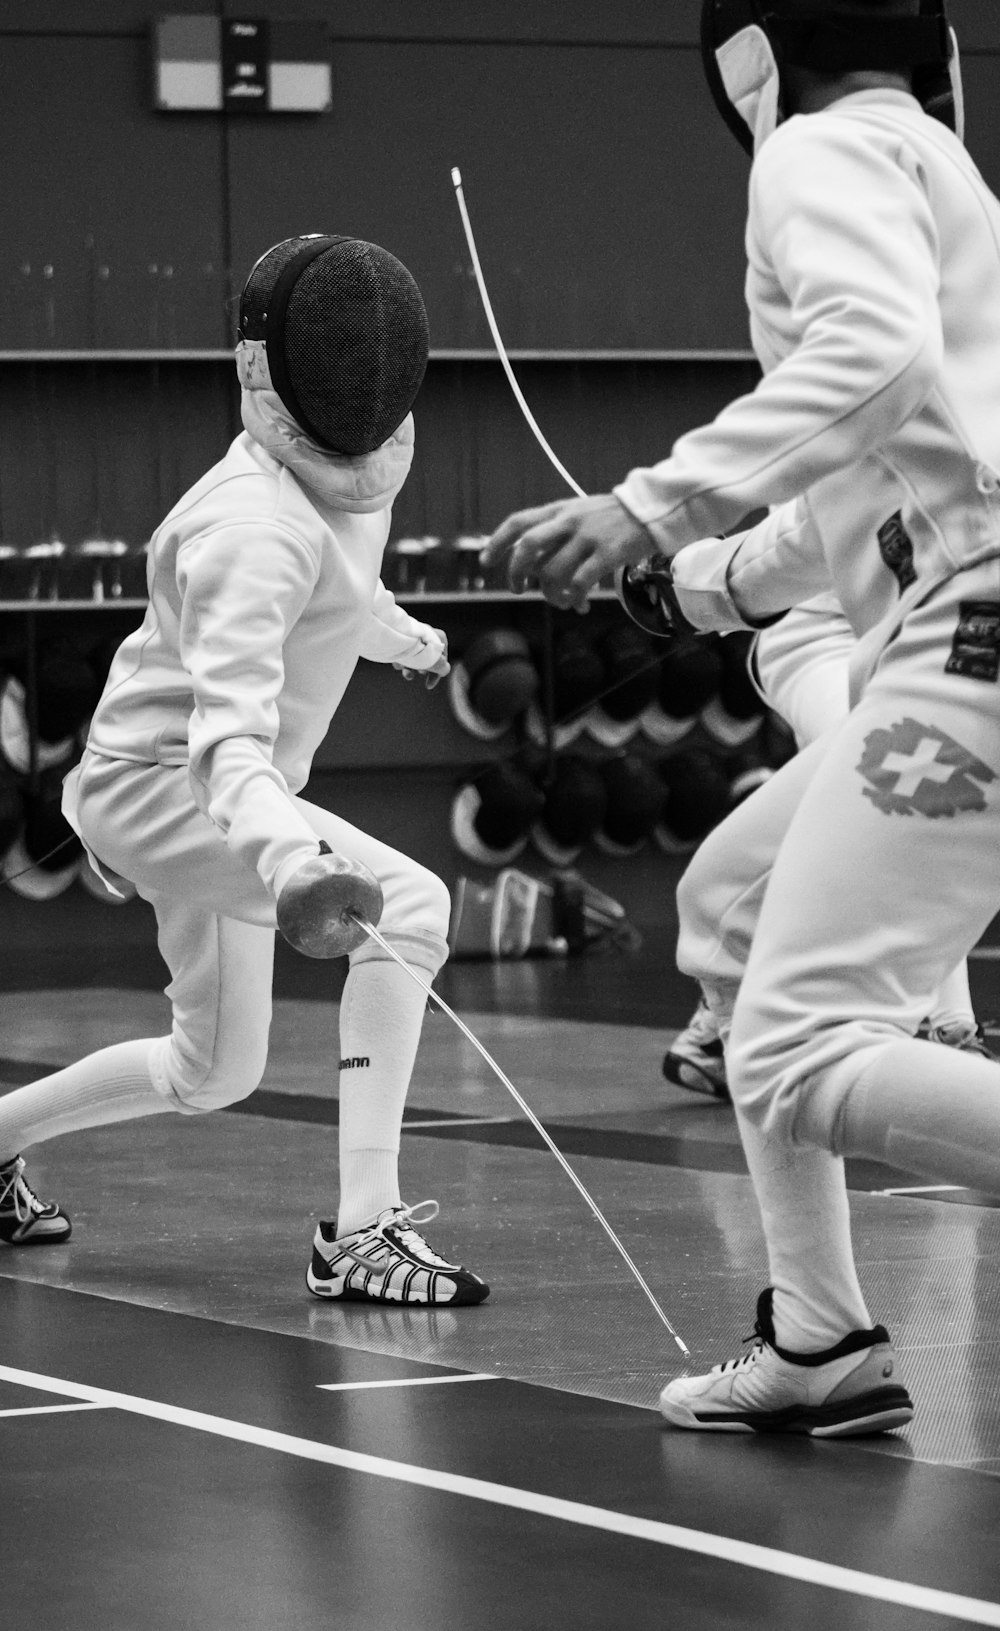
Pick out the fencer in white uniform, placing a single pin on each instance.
(874, 293)
(800, 665)
(264, 592)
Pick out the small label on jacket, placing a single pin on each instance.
(975, 650)
(896, 549)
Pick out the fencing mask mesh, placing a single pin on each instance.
(346, 334)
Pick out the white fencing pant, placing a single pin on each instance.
(869, 868)
(216, 920)
(801, 665)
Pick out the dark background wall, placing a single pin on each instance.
(606, 192)
(607, 199)
(606, 195)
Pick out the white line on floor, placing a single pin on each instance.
(922, 1189)
(51, 1409)
(458, 1121)
(812, 1571)
(406, 1381)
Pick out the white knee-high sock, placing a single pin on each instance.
(381, 1015)
(111, 1085)
(804, 1210)
(929, 1110)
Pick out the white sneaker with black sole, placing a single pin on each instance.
(695, 1059)
(24, 1219)
(846, 1391)
(389, 1261)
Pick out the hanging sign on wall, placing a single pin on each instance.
(241, 65)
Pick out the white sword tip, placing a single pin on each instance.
(456, 176)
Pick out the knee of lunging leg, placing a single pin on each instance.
(193, 1086)
(426, 906)
(415, 922)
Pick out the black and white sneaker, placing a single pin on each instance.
(389, 1261)
(847, 1391)
(24, 1219)
(695, 1059)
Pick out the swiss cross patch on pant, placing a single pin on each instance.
(917, 769)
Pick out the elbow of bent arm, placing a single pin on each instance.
(929, 360)
(920, 355)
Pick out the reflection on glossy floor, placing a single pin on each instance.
(212, 1216)
(165, 1377)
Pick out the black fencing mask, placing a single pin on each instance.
(747, 44)
(346, 336)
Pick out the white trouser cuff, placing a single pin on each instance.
(426, 950)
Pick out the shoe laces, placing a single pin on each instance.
(18, 1193)
(746, 1360)
(401, 1217)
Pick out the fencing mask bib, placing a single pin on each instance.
(346, 337)
(746, 45)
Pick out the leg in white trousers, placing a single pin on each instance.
(802, 664)
(887, 873)
(216, 934)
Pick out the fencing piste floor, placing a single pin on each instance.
(191, 1440)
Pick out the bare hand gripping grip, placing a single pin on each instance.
(315, 906)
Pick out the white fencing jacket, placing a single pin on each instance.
(873, 286)
(262, 597)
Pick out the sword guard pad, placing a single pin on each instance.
(316, 905)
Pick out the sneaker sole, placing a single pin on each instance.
(37, 1238)
(877, 1412)
(465, 1297)
(685, 1073)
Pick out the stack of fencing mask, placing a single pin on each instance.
(576, 803)
(578, 677)
(689, 678)
(492, 683)
(630, 684)
(697, 798)
(30, 867)
(747, 45)
(635, 796)
(66, 695)
(734, 716)
(491, 815)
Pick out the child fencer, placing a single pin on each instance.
(264, 591)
